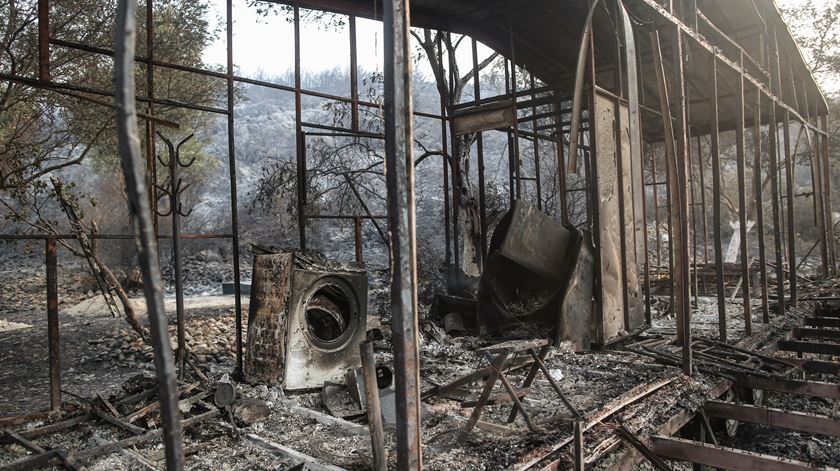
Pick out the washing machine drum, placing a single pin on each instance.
(326, 324)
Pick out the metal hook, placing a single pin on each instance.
(178, 152)
(181, 211)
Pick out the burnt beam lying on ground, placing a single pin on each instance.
(724, 457)
(799, 421)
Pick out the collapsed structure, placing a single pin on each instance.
(630, 85)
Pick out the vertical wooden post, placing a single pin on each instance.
(374, 412)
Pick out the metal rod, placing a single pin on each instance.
(354, 77)
(536, 150)
(829, 218)
(374, 412)
(44, 40)
(400, 182)
(705, 218)
(759, 201)
(791, 227)
(513, 85)
(147, 246)
(357, 238)
(716, 200)
(52, 326)
(683, 287)
(151, 162)
(656, 206)
(742, 204)
(648, 316)
(444, 145)
(479, 149)
(299, 136)
(234, 203)
(366, 209)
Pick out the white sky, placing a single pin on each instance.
(264, 45)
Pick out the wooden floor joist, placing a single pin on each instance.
(822, 322)
(816, 366)
(725, 457)
(809, 347)
(791, 420)
(791, 386)
(813, 333)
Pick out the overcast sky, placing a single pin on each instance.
(264, 45)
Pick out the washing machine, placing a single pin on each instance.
(306, 321)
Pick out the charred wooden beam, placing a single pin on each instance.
(822, 322)
(724, 457)
(809, 347)
(812, 333)
(791, 386)
(816, 366)
(791, 420)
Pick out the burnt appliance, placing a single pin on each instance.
(306, 319)
(538, 279)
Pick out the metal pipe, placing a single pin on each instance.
(299, 136)
(536, 150)
(44, 40)
(682, 258)
(479, 149)
(716, 200)
(742, 204)
(400, 182)
(444, 144)
(513, 86)
(357, 238)
(147, 246)
(354, 77)
(577, 96)
(791, 227)
(827, 192)
(234, 207)
(151, 163)
(759, 201)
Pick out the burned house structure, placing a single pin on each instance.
(630, 99)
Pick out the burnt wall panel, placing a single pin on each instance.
(609, 213)
(632, 223)
(267, 315)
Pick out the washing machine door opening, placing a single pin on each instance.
(331, 314)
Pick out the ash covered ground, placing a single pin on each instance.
(101, 355)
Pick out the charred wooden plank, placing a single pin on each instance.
(809, 347)
(791, 420)
(791, 386)
(816, 366)
(811, 333)
(822, 322)
(724, 457)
